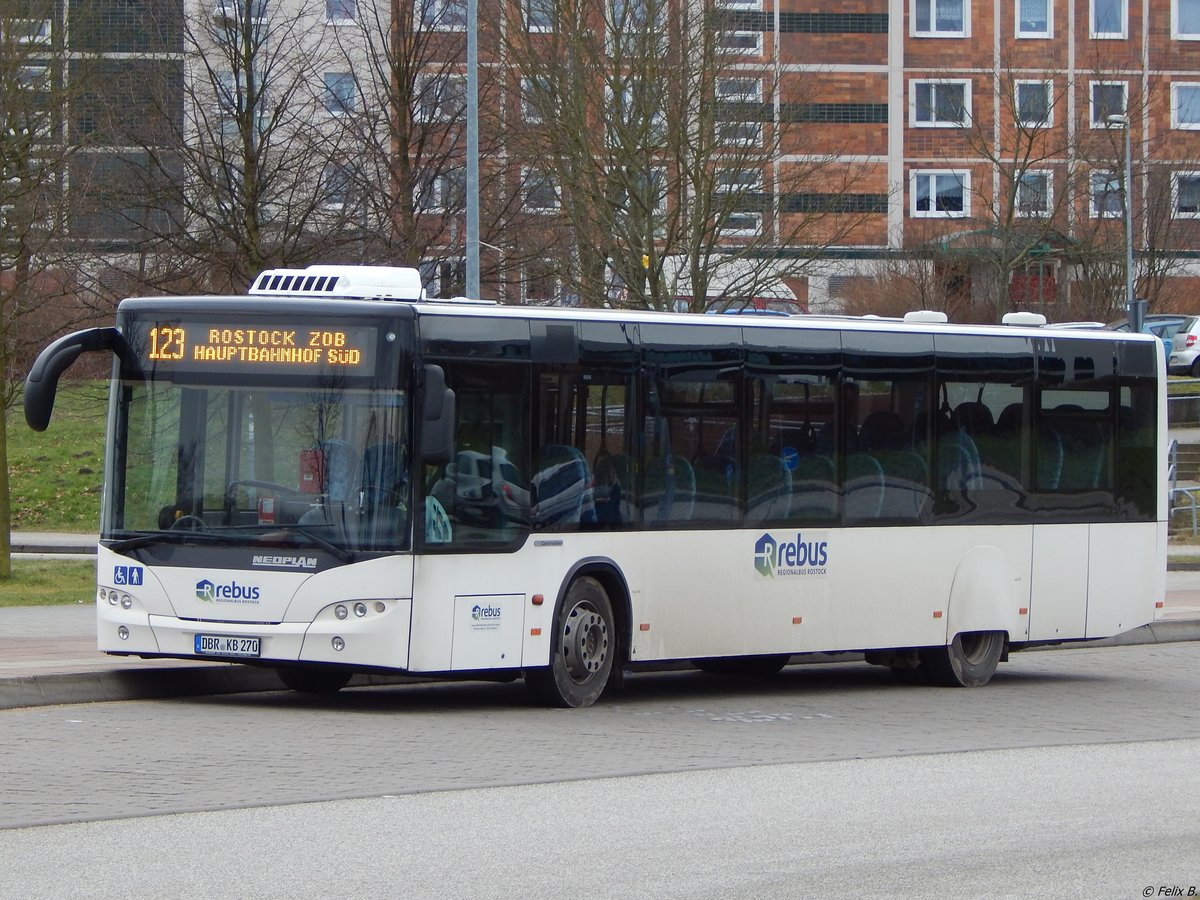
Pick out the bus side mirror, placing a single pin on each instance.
(41, 385)
(437, 417)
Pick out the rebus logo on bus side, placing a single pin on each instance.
(791, 557)
(233, 592)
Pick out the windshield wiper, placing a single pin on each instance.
(341, 553)
(226, 537)
(172, 537)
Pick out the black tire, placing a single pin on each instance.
(1196, 368)
(583, 649)
(762, 666)
(969, 660)
(314, 679)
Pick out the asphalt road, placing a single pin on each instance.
(1115, 820)
(824, 781)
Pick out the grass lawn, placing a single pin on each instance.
(56, 476)
(49, 582)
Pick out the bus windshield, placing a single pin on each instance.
(322, 466)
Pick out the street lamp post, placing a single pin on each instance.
(1123, 123)
(472, 180)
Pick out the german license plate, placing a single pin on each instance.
(227, 645)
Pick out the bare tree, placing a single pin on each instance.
(239, 161)
(651, 162)
(35, 288)
(406, 131)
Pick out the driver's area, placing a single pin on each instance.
(323, 465)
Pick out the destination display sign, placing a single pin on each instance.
(276, 348)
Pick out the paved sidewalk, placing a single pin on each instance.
(48, 654)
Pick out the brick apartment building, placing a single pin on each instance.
(964, 109)
(980, 133)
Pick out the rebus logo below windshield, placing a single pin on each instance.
(774, 556)
(211, 592)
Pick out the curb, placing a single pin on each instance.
(198, 681)
(112, 685)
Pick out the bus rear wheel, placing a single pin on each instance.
(583, 647)
(314, 679)
(969, 660)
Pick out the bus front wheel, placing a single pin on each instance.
(582, 648)
(969, 660)
(314, 679)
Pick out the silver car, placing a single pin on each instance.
(1185, 349)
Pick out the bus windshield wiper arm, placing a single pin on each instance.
(169, 537)
(341, 553)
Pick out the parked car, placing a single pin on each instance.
(1162, 325)
(1185, 349)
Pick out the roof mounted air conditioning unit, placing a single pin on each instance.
(342, 282)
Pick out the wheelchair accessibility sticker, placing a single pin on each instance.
(127, 575)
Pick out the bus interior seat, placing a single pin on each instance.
(974, 418)
(716, 480)
(864, 486)
(1085, 451)
(906, 484)
(670, 490)
(339, 463)
(613, 489)
(883, 430)
(382, 476)
(768, 489)
(814, 489)
(1049, 459)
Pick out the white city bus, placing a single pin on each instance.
(334, 475)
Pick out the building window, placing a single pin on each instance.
(1034, 193)
(33, 116)
(339, 12)
(739, 101)
(1185, 105)
(1033, 19)
(741, 189)
(939, 18)
(337, 186)
(235, 96)
(440, 97)
(234, 10)
(35, 79)
(26, 31)
(341, 94)
(1032, 99)
(746, 43)
(445, 192)
(1107, 100)
(444, 278)
(1185, 195)
(939, 104)
(1110, 18)
(1105, 193)
(534, 93)
(442, 15)
(940, 194)
(539, 284)
(637, 28)
(541, 193)
(636, 107)
(1185, 20)
(538, 14)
